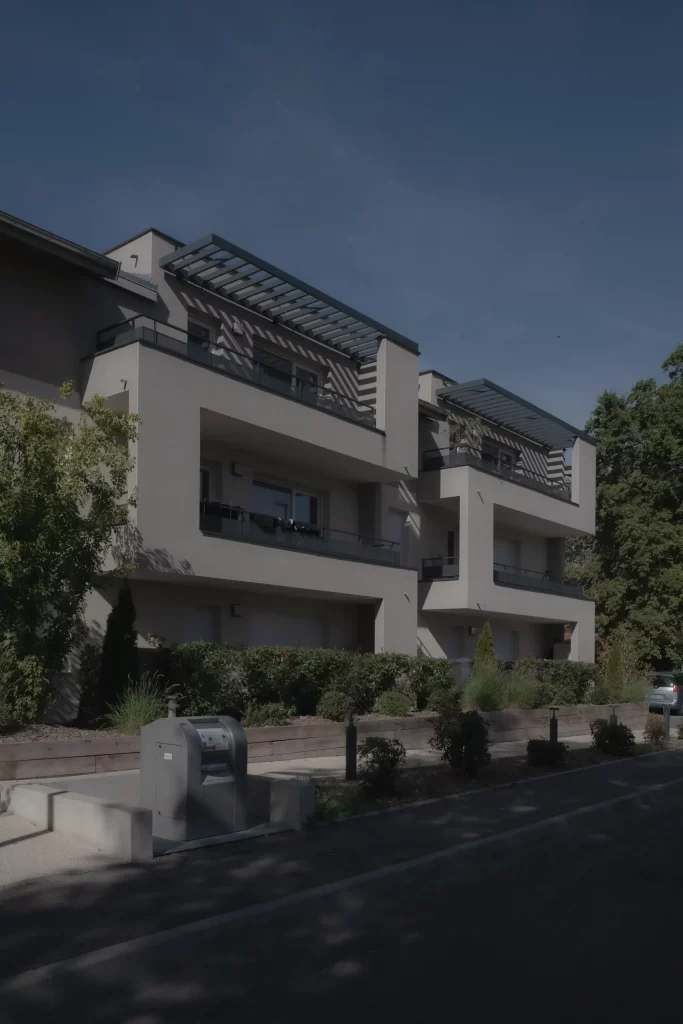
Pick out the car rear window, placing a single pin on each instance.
(663, 681)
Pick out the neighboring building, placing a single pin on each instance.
(281, 497)
(497, 505)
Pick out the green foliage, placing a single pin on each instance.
(393, 703)
(89, 672)
(63, 495)
(444, 700)
(654, 732)
(143, 701)
(680, 732)
(524, 691)
(23, 686)
(613, 680)
(217, 679)
(209, 678)
(462, 738)
(485, 653)
(615, 739)
(545, 753)
(633, 568)
(486, 689)
(335, 705)
(119, 662)
(332, 804)
(379, 764)
(266, 714)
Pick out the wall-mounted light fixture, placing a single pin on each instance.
(237, 469)
(235, 611)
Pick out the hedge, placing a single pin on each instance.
(220, 679)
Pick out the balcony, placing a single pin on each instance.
(451, 458)
(532, 579)
(223, 359)
(260, 528)
(440, 568)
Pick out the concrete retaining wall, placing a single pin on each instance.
(291, 742)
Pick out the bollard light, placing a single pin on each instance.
(553, 723)
(351, 748)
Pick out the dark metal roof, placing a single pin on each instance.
(55, 245)
(495, 403)
(238, 275)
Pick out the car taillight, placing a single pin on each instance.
(675, 687)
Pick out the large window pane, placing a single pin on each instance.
(274, 501)
(306, 508)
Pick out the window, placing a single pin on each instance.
(282, 373)
(504, 458)
(395, 524)
(286, 503)
(451, 546)
(200, 331)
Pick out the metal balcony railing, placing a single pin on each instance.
(440, 568)
(275, 531)
(224, 359)
(463, 455)
(533, 579)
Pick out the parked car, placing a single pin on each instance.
(666, 691)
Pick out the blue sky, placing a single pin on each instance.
(499, 181)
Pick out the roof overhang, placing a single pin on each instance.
(54, 245)
(492, 402)
(235, 274)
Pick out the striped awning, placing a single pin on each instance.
(226, 269)
(492, 402)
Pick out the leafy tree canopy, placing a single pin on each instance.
(63, 498)
(633, 568)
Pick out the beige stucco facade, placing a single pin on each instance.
(214, 439)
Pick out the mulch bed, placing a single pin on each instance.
(53, 733)
(336, 798)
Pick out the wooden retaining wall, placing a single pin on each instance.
(107, 753)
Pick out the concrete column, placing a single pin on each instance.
(476, 543)
(583, 480)
(582, 646)
(396, 621)
(397, 389)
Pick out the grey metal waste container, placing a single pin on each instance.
(193, 776)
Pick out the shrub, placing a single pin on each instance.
(523, 691)
(393, 703)
(486, 689)
(655, 732)
(142, 702)
(610, 738)
(444, 700)
(218, 679)
(266, 714)
(462, 737)
(680, 732)
(335, 705)
(119, 663)
(380, 762)
(485, 653)
(210, 679)
(332, 804)
(23, 687)
(545, 753)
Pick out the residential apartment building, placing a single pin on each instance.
(297, 480)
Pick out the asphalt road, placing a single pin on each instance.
(543, 900)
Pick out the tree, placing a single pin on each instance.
(485, 654)
(119, 662)
(614, 673)
(633, 568)
(63, 499)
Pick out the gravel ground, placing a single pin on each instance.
(51, 733)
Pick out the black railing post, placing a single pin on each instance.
(553, 724)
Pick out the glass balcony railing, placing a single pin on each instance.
(440, 568)
(224, 359)
(261, 528)
(533, 579)
(448, 458)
